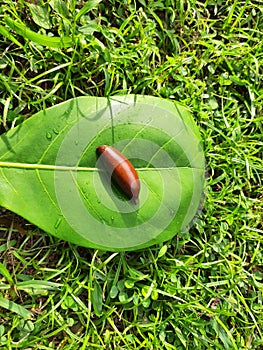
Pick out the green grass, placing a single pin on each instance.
(201, 290)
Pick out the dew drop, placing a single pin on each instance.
(55, 131)
(48, 135)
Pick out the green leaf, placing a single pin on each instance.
(123, 297)
(129, 284)
(49, 174)
(114, 292)
(44, 40)
(90, 5)
(2, 330)
(96, 298)
(40, 15)
(69, 303)
(13, 307)
(162, 251)
(5, 246)
(38, 285)
(25, 326)
(89, 28)
(5, 273)
(9, 36)
(60, 7)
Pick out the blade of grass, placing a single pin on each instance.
(5, 273)
(13, 307)
(9, 36)
(43, 40)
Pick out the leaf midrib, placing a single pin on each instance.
(74, 168)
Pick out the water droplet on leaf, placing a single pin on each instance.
(48, 135)
(55, 131)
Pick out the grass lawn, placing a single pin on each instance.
(201, 290)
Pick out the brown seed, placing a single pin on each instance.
(121, 170)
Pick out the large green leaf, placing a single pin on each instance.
(40, 15)
(48, 171)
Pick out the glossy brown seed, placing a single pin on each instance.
(121, 171)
